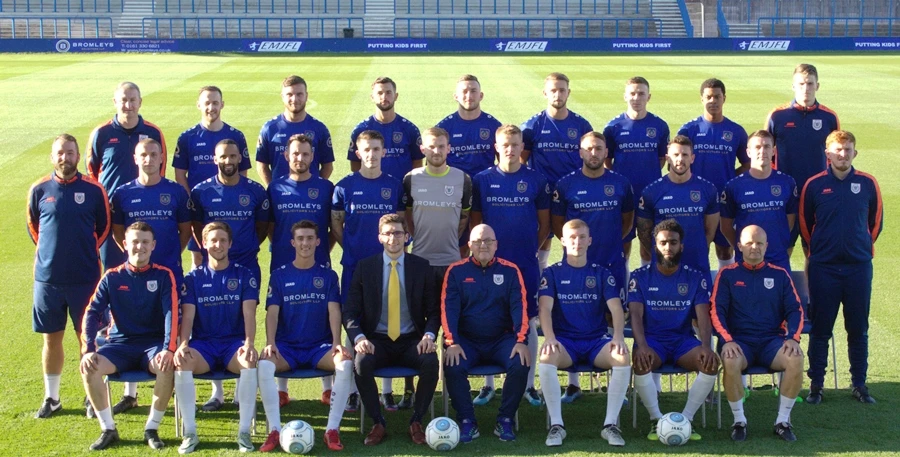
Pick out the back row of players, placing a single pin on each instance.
(437, 199)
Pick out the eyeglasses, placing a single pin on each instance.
(486, 242)
(395, 234)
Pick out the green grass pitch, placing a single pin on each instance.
(44, 95)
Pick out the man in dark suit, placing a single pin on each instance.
(392, 328)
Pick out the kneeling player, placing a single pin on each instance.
(218, 327)
(574, 299)
(757, 314)
(663, 298)
(140, 298)
(303, 331)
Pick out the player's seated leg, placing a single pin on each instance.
(268, 365)
(244, 361)
(352, 405)
(188, 361)
(456, 384)
(724, 251)
(693, 356)
(94, 366)
(734, 361)
(339, 361)
(216, 398)
(552, 358)
(160, 362)
(501, 353)
(786, 356)
(609, 355)
(645, 360)
(327, 385)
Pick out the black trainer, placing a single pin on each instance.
(815, 395)
(785, 432)
(47, 409)
(409, 397)
(127, 402)
(861, 393)
(152, 438)
(214, 404)
(107, 438)
(739, 431)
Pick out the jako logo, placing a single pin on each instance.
(522, 46)
(277, 46)
(769, 45)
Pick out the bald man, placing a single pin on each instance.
(757, 315)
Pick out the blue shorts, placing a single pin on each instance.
(48, 314)
(216, 353)
(632, 234)
(720, 239)
(671, 349)
(299, 357)
(464, 238)
(193, 246)
(131, 356)
(759, 351)
(583, 351)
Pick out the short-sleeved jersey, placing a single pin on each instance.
(109, 158)
(240, 206)
(669, 300)
(600, 202)
(753, 302)
(580, 296)
(471, 142)
(437, 202)
(554, 144)
(800, 134)
(196, 151)
(163, 206)
(219, 296)
(273, 141)
(294, 201)
(716, 147)
(635, 147)
(141, 304)
(303, 297)
(67, 221)
(401, 144)
(363, 202)
(766, 203)
(688, 203)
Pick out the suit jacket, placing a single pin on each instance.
(362, 311)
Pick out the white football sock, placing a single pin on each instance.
(386, 387)
(575, 380)
(737, 409)
(701, 387)
(343, 378)
(725, 263)
(618, 385)
(489, 381)
(282, 384)
(154, 418)
(643, 384)
(130, 389)
(218, 391)
(266, 372)
(327, 383)
(552, 396)
(657, 381)
(543, 259)
(187, 399)
(106, 419)
(51, 386)
(785, 405)
(644, 263)
(246, 396)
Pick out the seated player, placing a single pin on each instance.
(663, 300)
(485, 320)
(218, 327)
(303, 331)
(757, 314)
(574, 299)
(140, 298)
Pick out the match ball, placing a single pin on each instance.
(297, 437)
(673, 429)
(442, 434)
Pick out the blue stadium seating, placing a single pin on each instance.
(808, 18)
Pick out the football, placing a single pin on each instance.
(673, 429)
(442, 434)
(297, 437)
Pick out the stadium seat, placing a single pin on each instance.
(667, 370)
(480, 370)
(391, 373)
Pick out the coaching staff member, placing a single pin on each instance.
(392, 317)
(841, 216)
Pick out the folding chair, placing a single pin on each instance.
(300, 374)
(389, 372)
(208, 376)
(580, 368)
(668, 370)
(754, 370)
(479, 370)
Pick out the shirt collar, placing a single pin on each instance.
(388, 260)
(66, 181)
(477, 264)
(135, 269)
(753, 268)
(805, 109)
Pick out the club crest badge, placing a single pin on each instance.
(727, 136)
(632, 285)
(244, 200)
(695, 196)
(313, 193)
(609, 190)
(855, 187)
(79, 197)
(183, 289)
(165, 199)
(319, 282)
(817, 124)
(776, 191)
(498, 279)
(484, 134)
(310, 134)
(386, 193)
(682, 289)
(543, 283)
(590, 282)
(253, 283)
(233, 284)
(269, 292)
(522, 187)
(397, 137)
(611, 281)
(152, 286)
(573, 133)
(769, 282)
(448, 190)
(651, 132)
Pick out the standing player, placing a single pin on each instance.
(218, 329)
(194, 159)
(756, 313)
(636, 141)
(552, 140)
(800, 129)
(401, 137)
(841, 216)
(140, 298)
(663, 300)
(109, 157)
(516, 201)
(276, 133)
(303, 331)
(689, 199)
(576, 294)
(764, 197)
(472, 137)
(68, 218)
(718, 143)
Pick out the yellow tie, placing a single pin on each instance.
(393, 323)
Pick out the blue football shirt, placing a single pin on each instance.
(293, 201)
(716, 147)
(196, 152)
(669, 301)
(401, 144)
(363, 202)
(579, 299)
(554, 144)
(635, 147)
(273, 141)
(302, 297)
(471, 142)
(219, 300)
